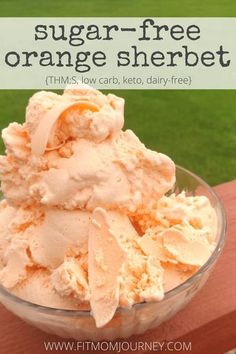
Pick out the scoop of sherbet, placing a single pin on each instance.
(94, 164)
(86, 222)
(38, 289)
(7, 213)
(52, 119)
(41, 240)
(178, 244)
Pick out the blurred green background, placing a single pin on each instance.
(196, 128)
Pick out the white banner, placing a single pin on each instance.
(118, 53)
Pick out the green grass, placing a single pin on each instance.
(117, 8)
(196, 128)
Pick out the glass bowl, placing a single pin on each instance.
(80, 325)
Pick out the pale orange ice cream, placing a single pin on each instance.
(86, 221)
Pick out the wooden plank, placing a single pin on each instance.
(208, 321)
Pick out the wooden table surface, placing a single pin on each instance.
(208, 321)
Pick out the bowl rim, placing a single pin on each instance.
(170, 293)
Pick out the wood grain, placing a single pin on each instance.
(208, 321)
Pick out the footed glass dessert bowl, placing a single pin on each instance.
(80, 325)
